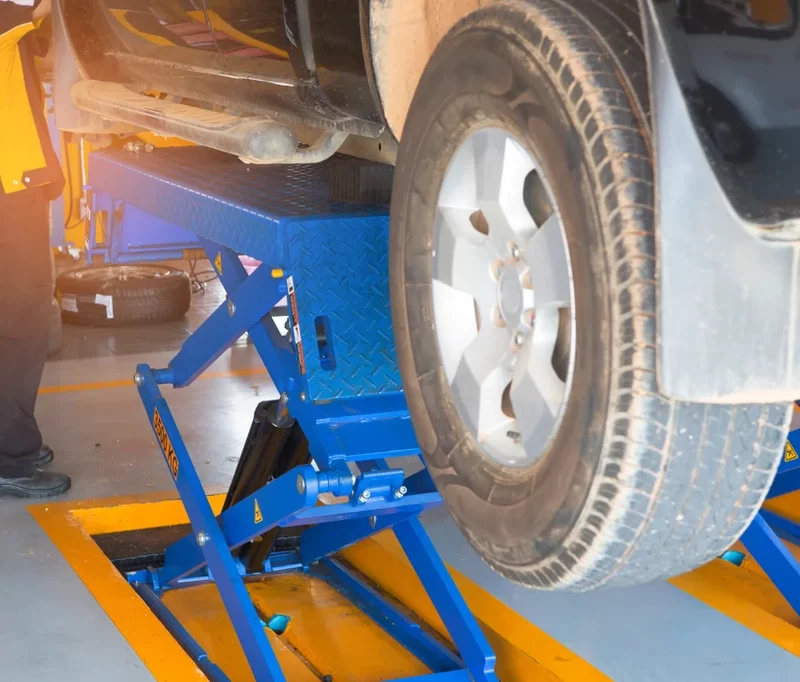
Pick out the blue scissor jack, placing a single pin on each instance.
(336, 375)
(763, 538)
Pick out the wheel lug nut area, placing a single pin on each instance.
(510, 296)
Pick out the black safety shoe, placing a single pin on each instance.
(46, 455)
(41, 484)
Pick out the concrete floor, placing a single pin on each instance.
(52, 629)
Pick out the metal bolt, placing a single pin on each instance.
(515, 252)
(364, 496)
(514, 436)
(400, 492)
(517, 340)
(231, 308)
(138, 379)
(301, 484)
(372, 521)
(202, 538)
(303, 396)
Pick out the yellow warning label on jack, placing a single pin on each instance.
(257, 517)
(791, 454)
(218, 262)
(166, 444)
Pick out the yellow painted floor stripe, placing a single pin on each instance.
(153, 643)
(524, 652)
(334, 636)
(745, 594)
(119, 383)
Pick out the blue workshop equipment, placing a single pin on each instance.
(120, 231)
(337, 376)
(764, 537)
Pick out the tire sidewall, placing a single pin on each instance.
(149, 300)
(481, 78)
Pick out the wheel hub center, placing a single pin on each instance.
(510, 297)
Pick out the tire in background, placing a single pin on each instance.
(633, 486)
(123, 295)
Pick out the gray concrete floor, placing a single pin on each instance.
(52, 629)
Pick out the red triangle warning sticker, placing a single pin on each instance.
(257, 517)
(791, 454)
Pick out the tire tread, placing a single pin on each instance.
(690, 477)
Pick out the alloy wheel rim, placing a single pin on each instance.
(503, 297)
(123, 273)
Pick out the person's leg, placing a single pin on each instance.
(26, 287)
(21, 365)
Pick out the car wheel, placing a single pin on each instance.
(523, 278)
(120, 295)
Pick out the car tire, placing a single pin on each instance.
(630, 486)
(122, 295)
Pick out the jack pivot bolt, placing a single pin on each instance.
(364, 496)
(400, 492)
(202, 538)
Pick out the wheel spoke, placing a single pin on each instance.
(462, 261)
(546, 256)
(501, 166)
(536, 390)
(482, 375)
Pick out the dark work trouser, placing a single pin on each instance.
(26, 291)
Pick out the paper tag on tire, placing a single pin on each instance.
(108, 302)
(69, 303)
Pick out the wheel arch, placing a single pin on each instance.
(403, 35)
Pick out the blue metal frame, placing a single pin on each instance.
(195, 651)
(763, 538)
(360, 426)
(131, 235)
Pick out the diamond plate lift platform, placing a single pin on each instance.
(337, 377)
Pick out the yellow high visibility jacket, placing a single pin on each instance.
(27, 158)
